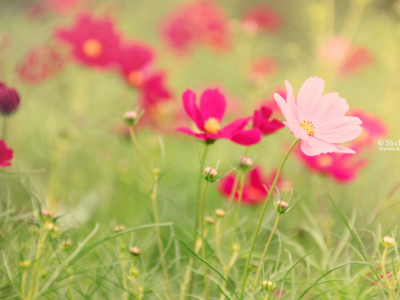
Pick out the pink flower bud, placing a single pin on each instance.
(130, 118)
(210, 173)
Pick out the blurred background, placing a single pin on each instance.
(73, 154)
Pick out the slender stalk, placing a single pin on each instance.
(135, 143)
(264, 209)
(42, 239)
(125, 294)
(71, 290)
(389, 286)
(134, 282)
(265, 252)
(266, 295)
(239, 203)
(217, 240)
(23, 283)
(203, 245)
(189, 270)
(153, 197)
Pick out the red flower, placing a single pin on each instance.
(39, 64)
(9, 100)
(197, 23)
(6, 154)
(132, 61)
(342, 167)
(94, 42)
(254, 191)
(209, 116)
(262, 18)
(373, 128)
(262, 122)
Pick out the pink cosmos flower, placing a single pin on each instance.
(373, 128)
(153, 90)
(6, 154)
(262, 18)
(132, 61)
(261, 121)
(94, 41)
(271, 103)
(9, 100)
(209, 115)
(341, 167)
(318, 120)
(197, 23)
(254, 191)
(40, 64)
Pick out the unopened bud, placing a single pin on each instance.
(66, 245)
(220, 213)
(130, 118)
(134, 251)
(121, 227)
(235, 247)
(209, 220)
(9, 100)
(268, 285)
(282, 205)
(210, 173)
(25, 264)
(48, 226)
(388, 241)
(156, 171)
(45, 213)
(245, 163)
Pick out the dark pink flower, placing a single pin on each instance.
(262, 18)
(94, 41)
(271, 103)
(373, 128)
(261, 121)
(9, 100)
(40, 64)
(342, 167)
(262, 67)
(254, 191)
(132, 61)
(209, 115)
(196, 23)
(6, 154)
(153, 90)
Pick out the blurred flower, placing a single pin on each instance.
(262, 18)
(373, 128)
(153, 90)
(6, 154)
(254, 191)
(261, 68)
(342, 167)
(9, 100)
(346, 57)
(209, 116)
(40, 63)
(196, 23)
(262, 122)
(319, 121)
(94, 41)
(271, 103)
(132, 61)
(63, 6)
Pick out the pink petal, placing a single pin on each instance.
(309, 97)
(237, 125)
(256, 179)
(331, 107)
(340, 130)
(291, 102)
(296, 130)
(212, 105)
(247, 137)
(189, 103)
(313, 146)
(201, 136)
(286, 110)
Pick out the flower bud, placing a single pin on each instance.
(66, 245)
(9, 100)
(235, 247)
(48, 226)
(220, 213)
(45, 213)
(281, 206)
(210, 173)
(25, 264)
(268, 285)
(209, 220)
(245, 163)
(156, 171)
(121, 227)
(388, 241)
(135, 251)
(130, 118)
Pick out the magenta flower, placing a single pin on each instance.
(9, 100)
(209, 115)
(318, 120)
(132, 61)
(261, 121)
(94, 41)
(153, 90)
(373, 128)
(6, 154)
(262, 18)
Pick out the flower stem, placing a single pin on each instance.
(153, 197)
(235, 222)
(203, 245)
(134, 282)
(71, 290)
(133, 136)
(23, 283)
(42, 239)
(389, 286)
(217, 240)
(264, 209)
(265, 252)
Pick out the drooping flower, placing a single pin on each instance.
(133, 59)
(6, 154)
(94, 41)
(262, 18)
(261, 120)
(262, 67)
(318, 120)
(40, 64)
(373, 128)
(9, 100)
(341, 167)
(254, 191)
(197, 23)
(209, 115)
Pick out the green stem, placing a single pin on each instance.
(217, 240)
(265, 253)
(23, 283)
(158, 232)
(203, 245)
(134, 283)
(239, 202)
(135, 143)
(42, 239)
(264, 209)
(71, 290)
(389, 286)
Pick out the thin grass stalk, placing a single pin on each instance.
(389, 286)
(42, 239)
(203, 245)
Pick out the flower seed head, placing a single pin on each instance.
(268, 285)
(388, 241)
(210, 173)
(9, 100)
(220, 213)
(245, 163)
(130, 118)
(135, 251)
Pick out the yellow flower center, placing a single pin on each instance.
(324, 161)
(92, 48)
(212, 126)
(308, 127)
(135, 78)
